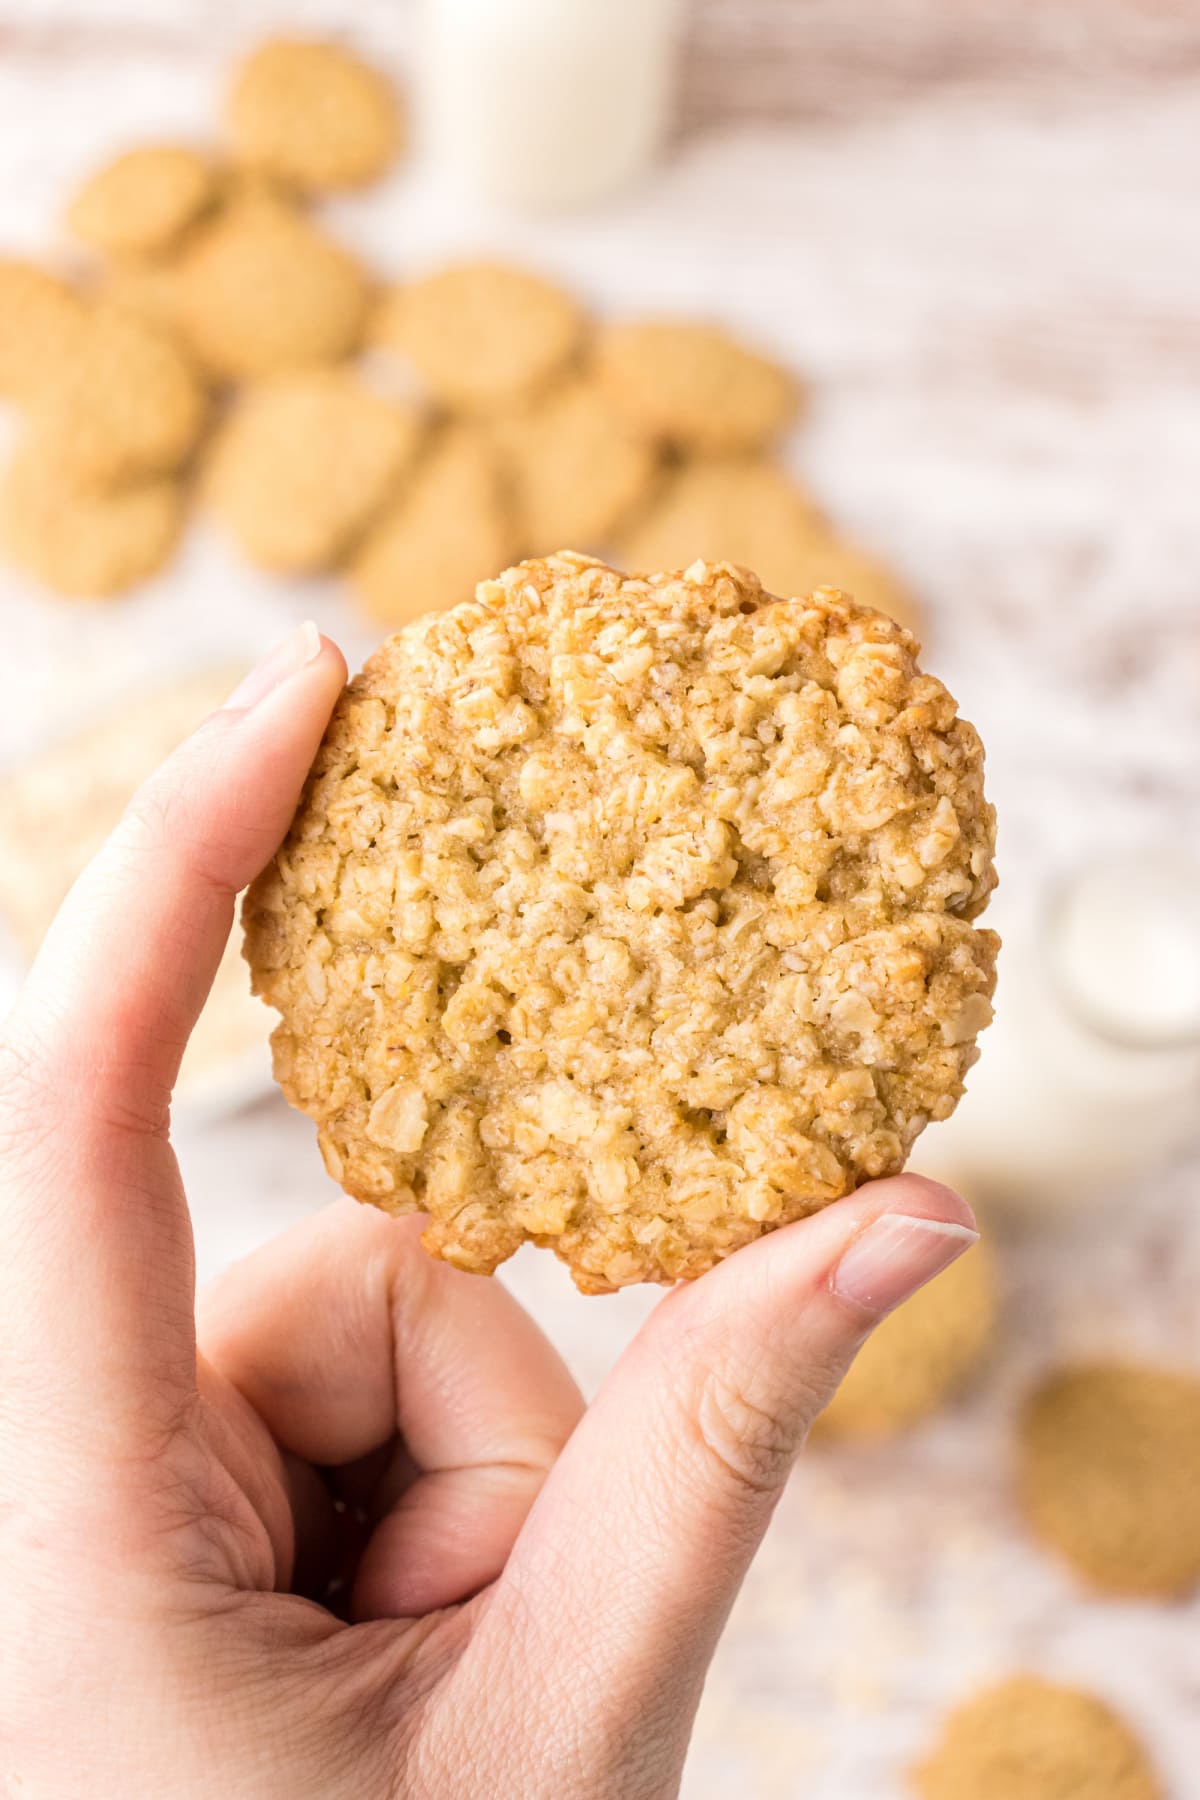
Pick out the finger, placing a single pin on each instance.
(345, 1332)
(95, 1244)
(636, 1547)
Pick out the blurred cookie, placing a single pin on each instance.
(303, 463)
(755, 514)
(574, 468)
(632, 918)
(142, 203)
(313, 115)
(123, 403)
(261, 289)
(1109, 1472)
(1028, 1739)
(41, 319)
(920, 1358)
(444, 531)
(480, 336)
(80, 542)
(693, 386)
(144, 287)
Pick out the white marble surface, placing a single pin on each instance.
(990, 279)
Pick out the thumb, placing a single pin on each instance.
(638, 1543)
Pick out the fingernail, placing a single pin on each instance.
(896, 1255)
(289, 656)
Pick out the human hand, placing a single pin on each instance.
(533, 1591)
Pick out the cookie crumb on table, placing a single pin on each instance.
(632, 917)
(1029, 1739)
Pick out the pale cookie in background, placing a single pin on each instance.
(1029, 1739)
(751, 512)
(142, 203)
(84, 543)
(124, 404)
(693, 386)
(303, 463)
(921, 1357)
(574, 468)
(1109, 1473)
(41, 320)
(448, 525)
(56, 811)
(480, 336)
(262, 289)
(629, 917)
(144, 288)
(313, 115)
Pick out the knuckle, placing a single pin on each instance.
(750, 1443)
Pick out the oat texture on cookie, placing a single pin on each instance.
(632, 917)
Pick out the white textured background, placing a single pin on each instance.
(975, 229)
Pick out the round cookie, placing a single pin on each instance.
(920, 1357)
(481, 337)
(446, 527)
(1028, 1739)
(303, 463)
(632, 917)
(1109, 1473)
(575, 470)
(753, 513)
(142, 203)
(313, 116)
(41, 319)
(123, 404)
(261, 289)
(692, 386)
(81, 543)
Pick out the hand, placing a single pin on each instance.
(536, 1591)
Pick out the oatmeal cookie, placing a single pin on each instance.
(632, 917)
(142, 203)
(753, 513)
(313, 116)
(921, 1357)
(1029, 1739)
(693, 386)
(81, 542)
(446, 527)
(303, 463)
(262, 289)
(125, 403)
(41, 320)
(574, 468)
(1110, 1475)
(480, 336)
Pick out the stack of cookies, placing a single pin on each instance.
(219, 343)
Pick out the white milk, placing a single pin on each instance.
(547, 103)
(1090, 1075)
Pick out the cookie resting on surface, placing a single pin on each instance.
(632, 917)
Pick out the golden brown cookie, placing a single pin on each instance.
(693, 386)
(447, 526)
(144, 287)
(1028, 1739)
(481, 336)
(304, 462)
(1109, 1469)
(313, 116)
(142, 203)
(753, 513)
(41, 319)
(80, 542)
(261, 289)
(921, 1357)
(574, 468)
(629, 917)
(123, 403)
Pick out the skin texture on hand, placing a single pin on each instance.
(342, 1527)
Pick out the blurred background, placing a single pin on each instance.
(968, 234)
